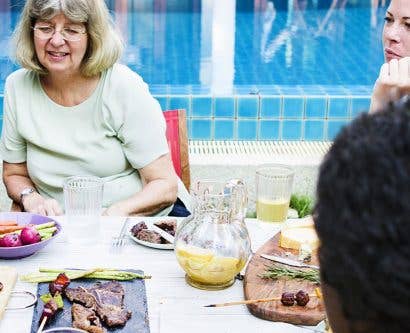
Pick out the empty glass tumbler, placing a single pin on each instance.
(83, 196)
(273, 190)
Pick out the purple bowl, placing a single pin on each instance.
(25, 250)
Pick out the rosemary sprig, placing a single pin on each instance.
(275, 272)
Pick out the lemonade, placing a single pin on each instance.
(272, 210)
(201, 265)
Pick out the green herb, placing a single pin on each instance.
(303, 204)
(48, 275)
(275, 272)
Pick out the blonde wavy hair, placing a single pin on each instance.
(105, 45)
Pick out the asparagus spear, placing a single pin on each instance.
(47, 275)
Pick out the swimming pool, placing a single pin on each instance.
(247, 70)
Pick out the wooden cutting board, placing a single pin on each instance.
(8, 277)
(256, 287)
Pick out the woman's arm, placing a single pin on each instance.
(16, 179)
(159, 190)
(393, 82)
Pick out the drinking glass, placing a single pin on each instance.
(273, 190)
(83, 197)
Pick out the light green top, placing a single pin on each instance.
(117, 130)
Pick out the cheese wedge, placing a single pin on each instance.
(306, 222)
(8, 277)
(292, 238)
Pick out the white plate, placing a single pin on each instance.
(150, 221)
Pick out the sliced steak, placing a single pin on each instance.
(170, 226)
(80, 295)
(86, 319)
(149, 236)
(109, 298)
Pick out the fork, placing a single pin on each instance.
(120, 239)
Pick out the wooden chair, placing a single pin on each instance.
(177, 137)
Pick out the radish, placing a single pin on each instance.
(30, 235)
(10, 240)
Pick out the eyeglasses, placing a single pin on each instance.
(72, 34)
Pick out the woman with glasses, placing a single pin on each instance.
(394, 78)
(73, 110)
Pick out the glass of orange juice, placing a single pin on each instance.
(273, 190)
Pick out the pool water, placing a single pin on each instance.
(247, 70)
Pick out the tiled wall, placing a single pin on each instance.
(267, 117)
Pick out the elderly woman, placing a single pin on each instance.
(394, 79)
(72, 110)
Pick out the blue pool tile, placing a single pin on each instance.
(269, 130)
(314, 130)
(201, 129)
(180, 89)
(248, 107)
(270, 107)
(293, 107)
(359, 105)
(180, 103)
(1, 122)
(247, 129)
(224, 107)
(291, 130)
(334, 127)
(339, 107)
(224, 129)
(201, 106)
(316, 107)
(163, 102)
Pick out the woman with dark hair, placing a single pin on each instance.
(394, 78)
(73, 110)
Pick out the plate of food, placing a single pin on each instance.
(22, 234)
(142, 232)
(101, 301)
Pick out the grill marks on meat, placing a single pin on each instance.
(104, 299)
(86, 319)
(110, 303)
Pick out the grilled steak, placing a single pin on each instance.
(86, 319)
(170, 226)
(80, 295)
(110, 303)
(105, 299)
(149, 236)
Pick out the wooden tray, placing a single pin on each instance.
(256, 287)
(135, 301)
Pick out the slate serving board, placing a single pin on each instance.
(135, 301)
(255, 287)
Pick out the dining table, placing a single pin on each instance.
(173, 305)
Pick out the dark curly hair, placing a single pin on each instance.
(362, 217)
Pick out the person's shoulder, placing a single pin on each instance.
(121, 80)
(20, 78)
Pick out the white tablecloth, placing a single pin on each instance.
(173, 305)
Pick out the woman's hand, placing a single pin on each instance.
(35, 203)
(393, 83)
(116, 209)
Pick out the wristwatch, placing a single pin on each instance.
(26, 191)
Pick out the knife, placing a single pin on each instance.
(163, 233)
(289, 262)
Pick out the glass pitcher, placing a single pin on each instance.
(213, 245)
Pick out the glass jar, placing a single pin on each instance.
(213, 245)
